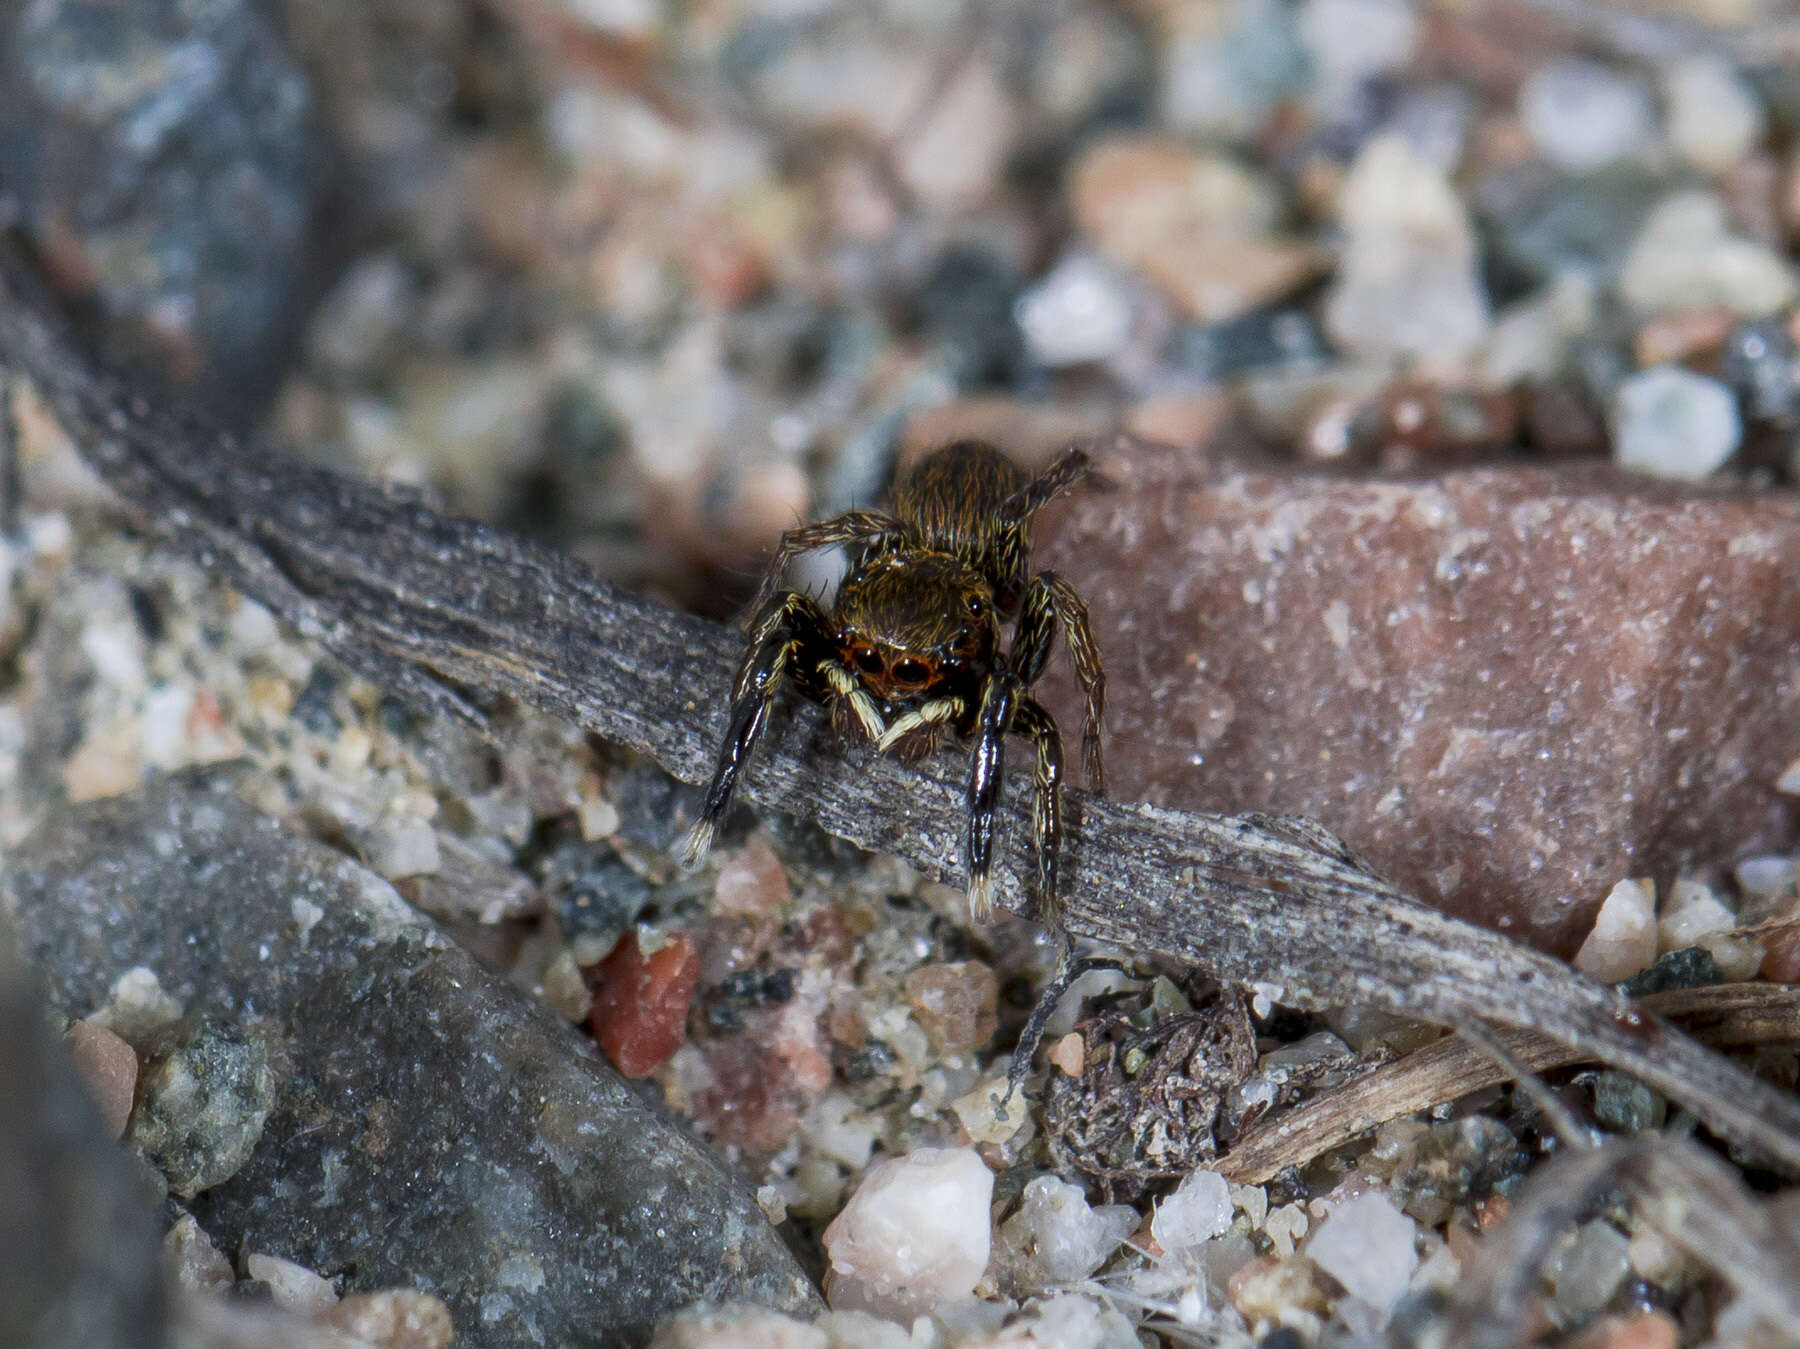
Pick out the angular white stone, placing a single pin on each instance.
(292, 1287)
(915, 1234)
(1624, 937)
(1199, 1210)
(1055, 1238)
(1693, 913)
(1671, 423)
(1368, 1246)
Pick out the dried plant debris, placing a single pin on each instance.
(1144, 1107)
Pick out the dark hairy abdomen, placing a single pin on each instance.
(953, 497)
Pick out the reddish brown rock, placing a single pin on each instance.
(956, 1004)
(1508, 687)
(641, 1002)
(109, 1068)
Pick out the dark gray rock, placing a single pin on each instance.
(80, 1254)
(169, 162)
(431, 1127)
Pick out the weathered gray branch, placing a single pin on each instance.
(422, 603)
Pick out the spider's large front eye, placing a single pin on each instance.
(974, 605)
(910, 671)
(866, 658)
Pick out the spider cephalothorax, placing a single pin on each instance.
(912, 648)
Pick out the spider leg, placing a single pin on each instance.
(783, 631)
(1038, 726)
(1051, 600)
(850, 527)
(933, 713)
(1062, 473)
(999, 701)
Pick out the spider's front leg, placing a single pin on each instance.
(850, 527)
(789, 642)
(999, 702)
(1032, 721)
(1049, 601)
(1006, 710)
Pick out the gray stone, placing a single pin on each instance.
(1625, 1105)
(431, 1128)
(168, 155)
(80, 1257)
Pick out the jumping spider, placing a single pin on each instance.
(911, 650)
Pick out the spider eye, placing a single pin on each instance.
(910, 671)
(867, 659)
(975, 606)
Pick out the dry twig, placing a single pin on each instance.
(429, 606)
(1725, 1016)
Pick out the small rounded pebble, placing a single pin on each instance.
(404, 845)
(1685, 257)
(641, 1002)
(1625, 1105)
(1683, 335)
(1713, 118)
(1582, 115)
(1671, 423)
(1738, 957)
(982, 1116)
(400, 1318)
(1693, 912)
(952, 157)
(1199, 1210)
(752, 880)
(598, 818)
(1070, 1054)
(1079, 312)
(1285, 1226)
(1367, 1245)
(293, 1288)
(1198, 225)
(202, 1107)
(1269, 1289)
(956, 1003)
(1624, 937)
(1352, 41)
(109, 1069)
(1588, 1271)
(914, 1235)
(1407, 282)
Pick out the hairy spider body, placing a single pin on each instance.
(912, 650)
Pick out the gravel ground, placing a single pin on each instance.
(652, 283)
